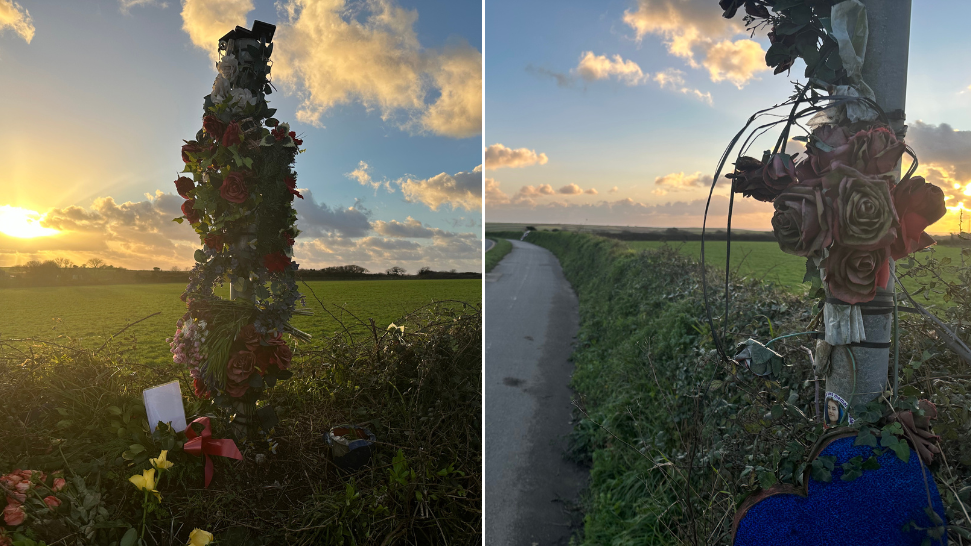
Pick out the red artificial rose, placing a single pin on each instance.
(190, 148)
(184, 185)
(282, 356)
(853, 275)
(278, 133)
(276, 262)
(919, 204)
(249, 336)
(240, 366)
(264, 358)
(14, 514)
(234, 188)
(296, 140)
(198, 387)
(52, 502)
(237, 390)
(290, 239)
(213, 127)
(803, 220)
(873, 151)
(191, 214)
(763, 182)
(292, 186)
(232, 135)
(215, 241)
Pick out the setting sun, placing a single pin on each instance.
(22, 223)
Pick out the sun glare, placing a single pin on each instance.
(22, 223)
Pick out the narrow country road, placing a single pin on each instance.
(489, 244)
(531, 319)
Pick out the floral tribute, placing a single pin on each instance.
(239, 185)
(30, 494)
(840, 206)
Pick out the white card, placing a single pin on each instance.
(164, 403)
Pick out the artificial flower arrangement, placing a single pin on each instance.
(30, 493)
(239, 185)
(840, 206)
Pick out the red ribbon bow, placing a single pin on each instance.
(204, 445)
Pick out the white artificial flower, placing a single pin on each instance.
(240, 98)
(228, 67)
(220, 89)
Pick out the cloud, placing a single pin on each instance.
(562, 80)
(461, 252)
(363, 175)
(593, 68)
(461, 190)
(678, 181)
(591, 191)
(737, 62)
(126, 5)
(598, 67)
(493, 194)
(331, 52)
(457, 112)
(673, 79)
(571, 189)
(613, 189)
(691, 29)
(206, 21)
(142, 235)
(747, 213)
(941, 145)
(526, 193)
(15, 17)
(316, 219)
(498, 156)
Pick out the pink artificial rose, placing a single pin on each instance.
(240, 366)
(14, 514)
(52, 502)
(803, 219)
(919, 204)
(853, 275)
(236, 390)
(59, 484)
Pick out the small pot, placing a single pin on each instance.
(350, 446)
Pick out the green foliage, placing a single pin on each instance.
(497, 253)
(417, 390)
(704, 434)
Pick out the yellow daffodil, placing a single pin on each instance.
(162, 462)
(146, 482)
(198, 537)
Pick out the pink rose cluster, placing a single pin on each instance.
(256, 353)
(22, 486)
(841, 206)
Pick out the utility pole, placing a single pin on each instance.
(863, 377)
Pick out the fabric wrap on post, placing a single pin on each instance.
(859, 369)
(844, 324)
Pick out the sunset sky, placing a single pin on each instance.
(616, 112)
(99, 94)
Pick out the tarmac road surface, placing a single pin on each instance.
(489, 244)
(531, 320)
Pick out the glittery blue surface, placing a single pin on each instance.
(870, 510)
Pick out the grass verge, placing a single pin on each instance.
(67, 407)
(676, 438)
(497, 252)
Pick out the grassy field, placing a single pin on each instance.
(497, 253)
(764, 260)
(94, 312)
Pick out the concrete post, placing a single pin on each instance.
(863, 377)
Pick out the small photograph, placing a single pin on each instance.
(835, 410)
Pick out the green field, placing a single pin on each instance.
(497, 252)
(90, 313)
(764, 260)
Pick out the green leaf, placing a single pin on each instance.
(114, 410)
(64, 424)
(200, 256)
(866, 438)
(136, 448)
(131, 535)
(179, 219)
(776, 412)
(871, 464)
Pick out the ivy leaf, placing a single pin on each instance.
(866, 438)
(871, 464)
(200, 256)
(767, 479)
(179, 219)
